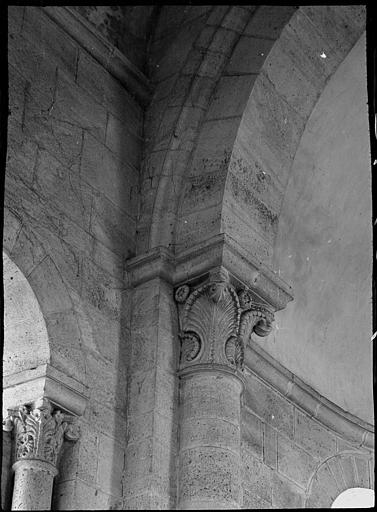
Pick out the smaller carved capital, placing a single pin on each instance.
(40, 430)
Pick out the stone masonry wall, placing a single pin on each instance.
(74, 140)
(72, 180)
(284, 452)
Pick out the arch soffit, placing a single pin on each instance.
(168, 154)
(345, 470)
(26, 251)
(26, 340)
(222, 158)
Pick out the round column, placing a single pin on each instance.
(39, 430)
(209, 458)
(215, 321)
(33, 481)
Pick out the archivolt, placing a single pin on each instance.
(24, 249)
(222, 154)
(343, 471)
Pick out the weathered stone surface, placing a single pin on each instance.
(30, 63)
(79, 192)
(73, 106)
(178, 50)
(213, 432)
(32, 488)
(251, 433)
(362, 472)
(270, 446)
(21, 152)
(6, 474)
(217, 14)
(210, 474)
(256, 477)
(236, 18)
(313, 438)
(51, 39)
(124, 139)
(63, 189)
(269, 20)
(197, 226)
(252, 501)
(224, 103)
(289, 80)
(335, 468)
(295, 463)
(87, 456)
(246, 202)
(103, 88)
(15, 15)
(305, 46)
(203, 191)
(211, 396)
(116, 184)
(256, 51)
(285, 494)
(340, 26)
(106, 420)
(75, 494)
(269, 405)
(110, 466)
(323, 490)
(112, 226)
(271, 128)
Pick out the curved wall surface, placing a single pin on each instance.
(323, 247)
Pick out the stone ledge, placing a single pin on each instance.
(344, 424)
(220, 250)
(158, 262)
(44, 381)
(114, 61)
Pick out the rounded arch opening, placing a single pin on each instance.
(26, 342)
(356, 497)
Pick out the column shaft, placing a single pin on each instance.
(209, 458)
(33, 481)
(215, 321)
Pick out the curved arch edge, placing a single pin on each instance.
(349, 427)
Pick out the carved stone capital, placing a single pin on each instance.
(216, 322)
(40, 430)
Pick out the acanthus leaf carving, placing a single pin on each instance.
(216, 322)
(39, 431)
(209, 318)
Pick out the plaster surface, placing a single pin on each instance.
(323, 247)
